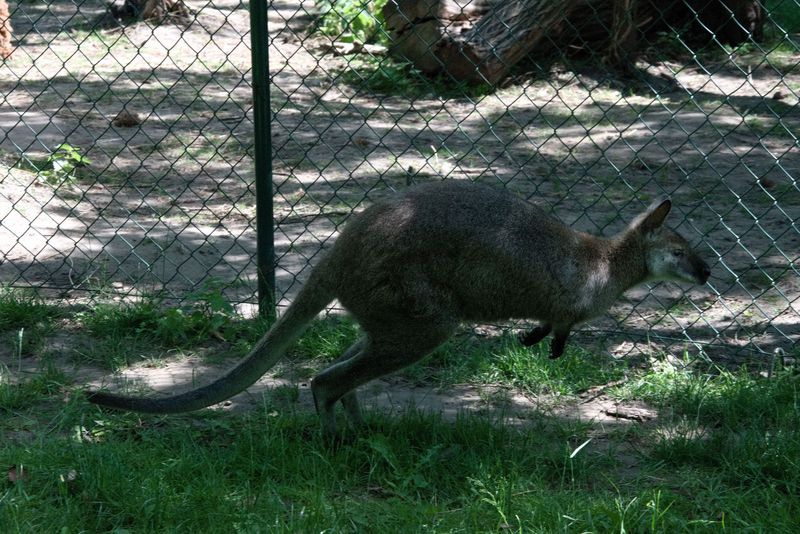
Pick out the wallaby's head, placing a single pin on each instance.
(668, 255)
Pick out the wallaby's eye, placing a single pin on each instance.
(679, 253)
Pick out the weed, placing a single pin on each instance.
(65, 164)
(352, 20)
(205, 313)
(122, 331)
(383, 75)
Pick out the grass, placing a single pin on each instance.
(24, 309)
(24, 320)
(123, 334)
(387, 76)
(722, 455)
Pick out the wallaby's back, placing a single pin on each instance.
(480, 253)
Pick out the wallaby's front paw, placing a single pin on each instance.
(534, 336)
(558, 344)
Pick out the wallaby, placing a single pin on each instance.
(412, 269)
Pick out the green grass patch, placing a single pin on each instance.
(719, 397)
(502, 360)
(124, 333)
(722, 455)
(466, 358)
(21, 308)
(387, 76)
(24, 320)
(18, 395)
(326, 339)
(738, 428)
(199, 318)
(268, 471)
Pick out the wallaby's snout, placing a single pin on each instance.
(670, 257)
(702, 270)
(693, 270)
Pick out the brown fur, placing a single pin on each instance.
(412, 269)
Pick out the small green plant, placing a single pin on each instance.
(383, 75)
(353, 20)
(204, 314)
(25, 320)
(63, 165)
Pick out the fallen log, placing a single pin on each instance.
(481, 40)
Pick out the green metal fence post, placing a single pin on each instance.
(259, 42)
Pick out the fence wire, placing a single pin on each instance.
(127, 144)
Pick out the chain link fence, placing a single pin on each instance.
(127, 151)
(127, 147)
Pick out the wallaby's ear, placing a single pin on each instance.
(653, 217)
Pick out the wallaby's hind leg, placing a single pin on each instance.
(383, 352)
(350, 399)
(535, 335)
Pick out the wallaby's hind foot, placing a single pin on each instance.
(352, 409)
(402, 343)
(349, 400)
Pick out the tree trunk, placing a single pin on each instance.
(622, 45)
(159, 9)
(5, 31)
(150, 9)
(481, 40)
(500, 38)
(420, 28)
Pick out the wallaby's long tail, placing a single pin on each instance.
(264, 355)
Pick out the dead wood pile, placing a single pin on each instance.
(481, 40)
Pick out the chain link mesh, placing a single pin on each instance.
(610, 104)
(126, 151)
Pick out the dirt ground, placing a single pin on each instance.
(169, 204)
